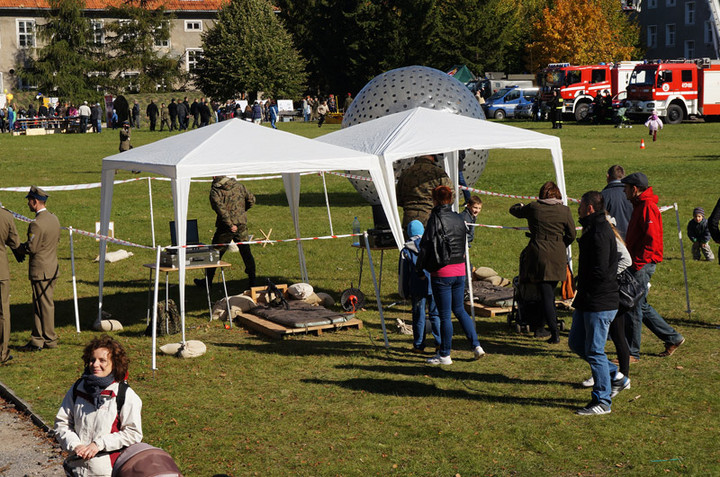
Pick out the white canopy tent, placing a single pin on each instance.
(222, 149)
(422, 131)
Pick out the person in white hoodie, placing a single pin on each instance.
(100, 414)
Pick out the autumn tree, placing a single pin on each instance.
(582, 32)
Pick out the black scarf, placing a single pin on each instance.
(94, 385)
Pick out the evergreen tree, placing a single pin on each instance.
(131, 47)
(249, 50)
(61, 66)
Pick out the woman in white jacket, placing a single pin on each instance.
(89, 424)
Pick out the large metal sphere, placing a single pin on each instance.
(410, 87)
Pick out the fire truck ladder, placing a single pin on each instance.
(715, 12)
(630, 5)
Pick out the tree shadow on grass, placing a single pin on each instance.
(707, 157)
(403, 388)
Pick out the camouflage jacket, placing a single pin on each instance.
(230, 199)
(416, 183)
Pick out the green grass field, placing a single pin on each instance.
(342, 404)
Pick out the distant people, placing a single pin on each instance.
(543, 262)
(307, 108)
(135, 121)
(699, 234)
(616, 203)
(557, 106)
(100, 414)
(256, 112)
(322, 111)
(418, 288)
(348, 102)
(230, 200)
(331, 104)
(125, 137)
(274, 113)
(43, 270)
(173, 113)
(96, 118)
(152, 113)
(195, 113)
(414, 189)
(114, 119)
(645, 243)
(204, 112)
(596, 303)
(8, 238)
(164, 117)
(315, 104)
(654, 124)
(3, 121)
(446, 231)
(182, 115)
(85, 113)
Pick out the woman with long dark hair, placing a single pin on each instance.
(543, 262)
(442, 253)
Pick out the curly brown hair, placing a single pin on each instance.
(119, 358)
(550, 190)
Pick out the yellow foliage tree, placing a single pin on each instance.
(582, 32)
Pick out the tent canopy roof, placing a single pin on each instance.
(236, 147)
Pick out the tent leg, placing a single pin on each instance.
(74, 281)
(377, 290)
(469, 278)
(154, 313)
(152, 216)
(682, 255)
(327, 203)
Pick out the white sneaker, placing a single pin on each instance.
(437, 359)
(589, 382)
(619, 385)
(478, 352)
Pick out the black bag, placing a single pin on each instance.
(168, 323)
(630, 290)
(440, 247)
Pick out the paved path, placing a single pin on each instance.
(25, 450)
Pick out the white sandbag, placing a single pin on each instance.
(482, 273)
(238, 304)
(116, 256)
(233, 247)
(107, 325)
(300, 291)
(192, 349)
(327, 300)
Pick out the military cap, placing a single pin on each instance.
(37, 193)
(637, 179)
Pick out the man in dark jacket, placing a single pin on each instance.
(204, 112)
(152, 114)
(230, 199)
(414, 189)
(596, 303)
(644, 241)
(173, 112)
(195, 113)
(616, 204)
(182, 113)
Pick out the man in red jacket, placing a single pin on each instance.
(644, 241)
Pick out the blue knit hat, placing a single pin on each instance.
(415, 228)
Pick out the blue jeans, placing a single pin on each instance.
(461, 181)
(419, 322)
(449, 293)
(645, 313)
(588, 335)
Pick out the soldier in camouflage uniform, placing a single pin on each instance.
(230, 199)
(414, 189)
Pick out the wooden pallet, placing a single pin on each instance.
(275, 330)
(487, 311)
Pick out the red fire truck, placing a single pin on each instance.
(578, 85)
(676, 89)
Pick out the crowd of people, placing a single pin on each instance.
(61, 115)
(621, 231)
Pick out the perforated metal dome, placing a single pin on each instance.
(410, 87)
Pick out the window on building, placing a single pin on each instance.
(652, 36)
(708, 33)
(192, 55)
(689, 13)
(598, 76)
(689, 49)
(26, 33)
(670, 34)
(127, 32)
(130, 78)
(193, 25)
(652, 3)
(161, 31)
(670, 3)
(98, 31)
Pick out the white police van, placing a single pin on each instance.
(509, 102)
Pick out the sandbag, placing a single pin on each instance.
(192, 349)
(481, 273)
(238, 304)
(108, 325)
(300, 291)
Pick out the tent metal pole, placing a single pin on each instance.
(327, 203)
(469, 277)
(74, 281)
(377, 290)
(682, 255)
(152, 215)
(155, 306)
